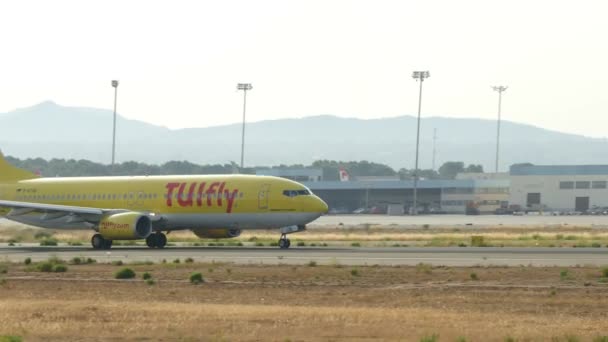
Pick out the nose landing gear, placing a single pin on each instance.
(284, 242)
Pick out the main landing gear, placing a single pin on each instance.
(284, 242)
(156, 240)
(99, 242)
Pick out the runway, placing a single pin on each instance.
(456, 256)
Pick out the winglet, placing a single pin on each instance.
(10, 174)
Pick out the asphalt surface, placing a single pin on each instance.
(456, 256)
(531, 220)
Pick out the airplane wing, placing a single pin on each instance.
(57, 216)
(28, 207)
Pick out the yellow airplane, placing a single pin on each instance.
(143, 207)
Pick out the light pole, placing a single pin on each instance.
(115, 86)
(244, 87)
(500, 90)
(418, 76)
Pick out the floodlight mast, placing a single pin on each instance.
(418, 76)
(500, 90)
(244, 87)
(115, 86)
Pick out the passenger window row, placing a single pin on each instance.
(90, 197)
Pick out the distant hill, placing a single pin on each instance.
(49, 130)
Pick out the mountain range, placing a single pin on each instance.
(49, 130)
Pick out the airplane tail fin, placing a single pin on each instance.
(10, 174)
(344, 176)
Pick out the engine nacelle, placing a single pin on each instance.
(217, 233)
(125, 226)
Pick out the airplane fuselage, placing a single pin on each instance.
(183, 202)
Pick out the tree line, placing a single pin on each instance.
(74, 168)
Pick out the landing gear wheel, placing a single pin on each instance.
(284, 242)
(107, 244)
(97, 241)
(151, 240)
(161, 240)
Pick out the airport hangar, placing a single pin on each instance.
(560, 188)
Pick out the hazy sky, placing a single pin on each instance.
(179, 61)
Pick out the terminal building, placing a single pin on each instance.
(563, 188)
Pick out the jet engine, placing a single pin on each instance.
(125, 226)
(216, 233)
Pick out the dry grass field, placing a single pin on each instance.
(304, 303)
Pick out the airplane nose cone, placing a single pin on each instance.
(322, 206)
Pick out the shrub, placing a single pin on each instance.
(596, 245)
(600, 339)
(150, 282)
(355, 244)
(196, 278)
(189, 260)
(3, 269)
(76, 261)
(259, 244)
(312, 263)
(60, 268)
(91, 261)
(425, 268)
(274, 244)
(176, 261)
(240, 244)
(564, 274)
(124, 273)
(146, 276)
(432, 338)
(301, 244)
(474, 276)
(27, 261)
(605, 272)
(48, 242)
(44, 266)
(117, 263)
(354, 272)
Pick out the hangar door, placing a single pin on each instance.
(581, 204)
(533, 199)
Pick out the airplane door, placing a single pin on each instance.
(263, 197)
(135, 199)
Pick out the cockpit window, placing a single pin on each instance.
(294, 193)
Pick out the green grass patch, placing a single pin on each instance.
(124, 273)
(146, 276)
(424, 268)
(48, 242)
(197, 278)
